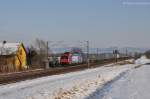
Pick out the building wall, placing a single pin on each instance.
(7, 63)
(17, 63)
(14, 62)
(22, 57)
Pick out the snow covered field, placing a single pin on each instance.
(133, 85)
(106, 82)
(143, 60)
(76, 85)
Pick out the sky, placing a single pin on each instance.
(104, 23)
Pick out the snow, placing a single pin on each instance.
(75, 85)
(132, 85)
(8, 48)
(142, 60)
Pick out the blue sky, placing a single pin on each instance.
(104, 23)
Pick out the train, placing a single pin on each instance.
(71, 58)
(75, 56)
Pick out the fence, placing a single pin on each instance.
(7, 63)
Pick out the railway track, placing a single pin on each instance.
(31, 74)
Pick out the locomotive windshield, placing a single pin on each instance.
(64, 57)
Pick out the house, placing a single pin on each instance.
(13, 56)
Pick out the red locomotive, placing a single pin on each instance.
(74, 56)
(66, 58)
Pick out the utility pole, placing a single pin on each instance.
(97, 54)
(40, 53)
(47, 50)
(47, 61)
(126, 52)
(115, 52)
(88, 60)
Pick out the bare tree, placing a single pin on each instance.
(41, 49)
(147, 53)
(31, 55)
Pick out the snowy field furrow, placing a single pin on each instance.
(75, 85)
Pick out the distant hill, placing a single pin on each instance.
(105, 50)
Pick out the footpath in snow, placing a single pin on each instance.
(75, 85)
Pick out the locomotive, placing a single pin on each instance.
(75, 56)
